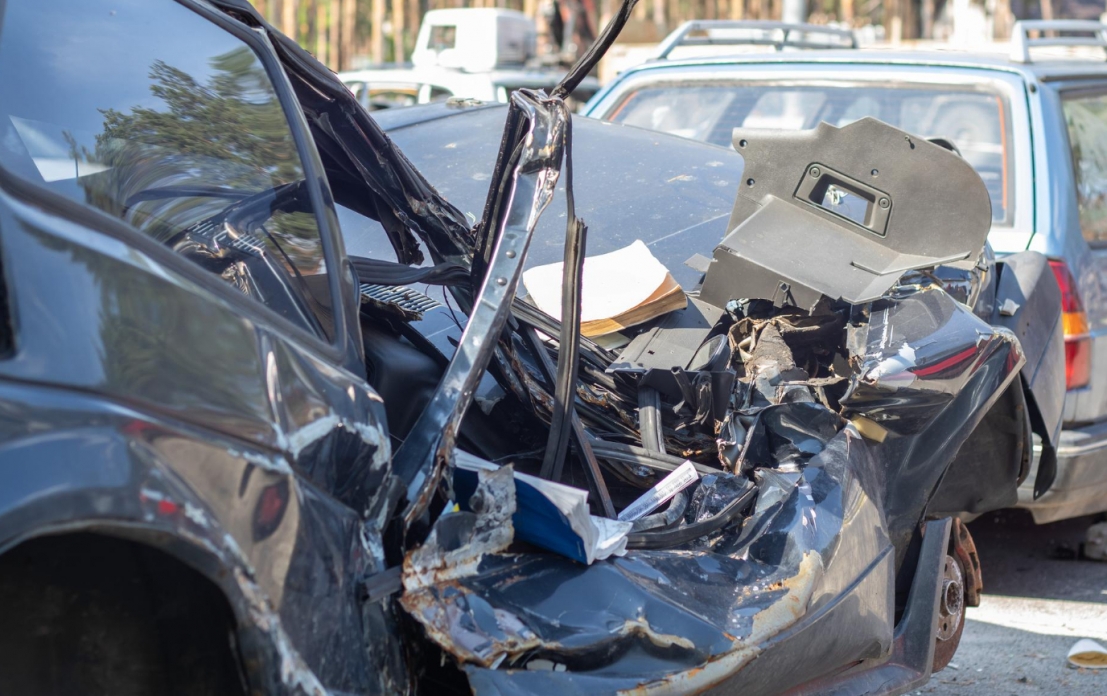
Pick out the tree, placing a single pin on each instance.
(228, 132)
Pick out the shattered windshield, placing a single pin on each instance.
(976, 121)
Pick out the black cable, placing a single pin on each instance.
(649, 419)
(667, 518)
(668, 538)
(637, 455)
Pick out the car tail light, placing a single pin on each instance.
(1078, 344)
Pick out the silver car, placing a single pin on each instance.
(1034, 128)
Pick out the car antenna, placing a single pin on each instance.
(588, 61)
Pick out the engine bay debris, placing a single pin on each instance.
(766, 445)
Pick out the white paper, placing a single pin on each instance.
(601, 537)
(677, 480)
(610, 538)
(613, 283)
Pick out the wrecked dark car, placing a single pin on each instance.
(276, 417)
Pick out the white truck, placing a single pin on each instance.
(471, 53)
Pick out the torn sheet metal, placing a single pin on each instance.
(697, 612)
(904, 375)
(528, 188)
(459, 539)
(811, 518)
(456, 545)
(929, 395)
(655, 617)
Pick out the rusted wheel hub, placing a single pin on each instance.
(951, 613)
(952, 608)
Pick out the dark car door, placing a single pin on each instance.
(170, 249)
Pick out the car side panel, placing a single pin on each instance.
(1081, 449)
(240, 516)
(138, 396)
(1064, 240)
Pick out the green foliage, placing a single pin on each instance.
(228, 131)
(235, 118)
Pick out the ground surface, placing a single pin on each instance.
(1040, 598)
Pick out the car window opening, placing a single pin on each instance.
(190, 147)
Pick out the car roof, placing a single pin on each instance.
(1045, 69)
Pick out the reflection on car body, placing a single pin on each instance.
(340, 489)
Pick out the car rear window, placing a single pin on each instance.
(1086, 118)
(156, 116)
(976, 121)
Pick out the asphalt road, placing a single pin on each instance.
(1040, 598)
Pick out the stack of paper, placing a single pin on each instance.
(550, 515)
(619, 289)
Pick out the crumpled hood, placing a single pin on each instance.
(692, 616)
(674, 194)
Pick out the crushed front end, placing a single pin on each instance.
(808, 401)
(820, 381)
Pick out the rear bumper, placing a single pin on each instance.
(1081, 484)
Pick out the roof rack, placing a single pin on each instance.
(779, 35)
(1021, 43)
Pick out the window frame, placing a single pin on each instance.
(337, 347)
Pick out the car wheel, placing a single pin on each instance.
(99, 616)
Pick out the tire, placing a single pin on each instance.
(97, 616)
